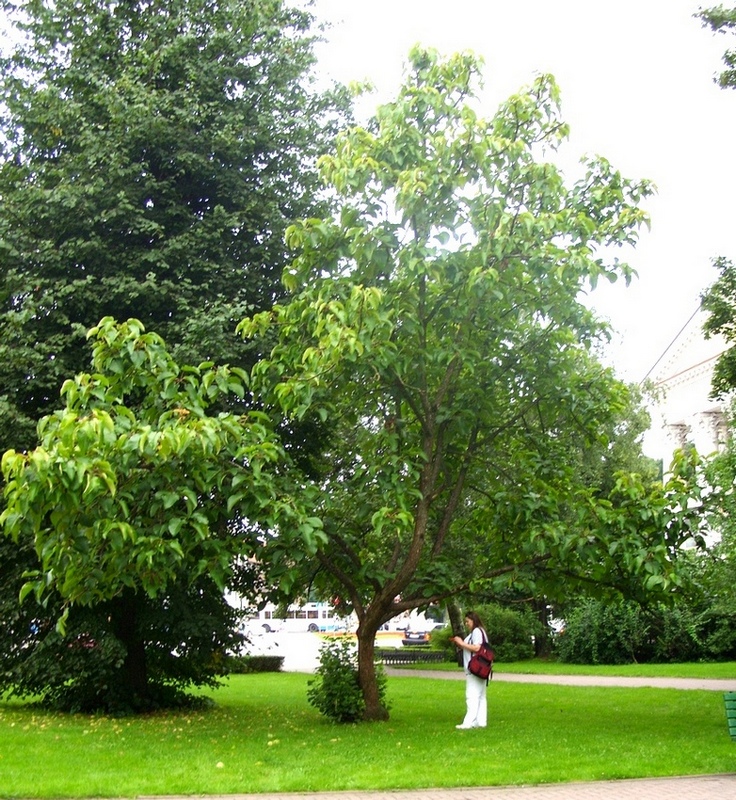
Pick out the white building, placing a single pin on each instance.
(682, 410)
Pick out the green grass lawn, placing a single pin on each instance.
(262, 736)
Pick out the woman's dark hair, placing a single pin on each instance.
(474, 618)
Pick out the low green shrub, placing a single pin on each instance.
(440, 639)
(511, 631)
(335, 690)
(244, 665)
(602, 633)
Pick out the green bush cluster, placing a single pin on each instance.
(624, 632)
(243, 665)
(440, 640)
(335, 690)
(83, 671)
(601, 633)
(511, 633)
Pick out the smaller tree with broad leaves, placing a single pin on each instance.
(139, 497)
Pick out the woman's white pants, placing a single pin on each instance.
(476, 715)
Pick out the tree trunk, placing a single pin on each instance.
(374, 708)
(456, 619)
(134, 671)
(543, 642)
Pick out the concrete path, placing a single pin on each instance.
(576, 680)
(700, 787)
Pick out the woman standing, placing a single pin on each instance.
(476, 715)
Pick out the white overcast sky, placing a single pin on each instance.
(636, 78)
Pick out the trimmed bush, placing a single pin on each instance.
(440, 640)
(242, 665)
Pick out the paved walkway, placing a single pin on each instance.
(716, 685)
(700, 787)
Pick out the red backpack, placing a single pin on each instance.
(481, 663)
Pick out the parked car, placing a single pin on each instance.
(414, 638)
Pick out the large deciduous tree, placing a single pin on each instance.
(151, 156)
(140, 494)
(720, 299)
(436, 322)
(717, 572)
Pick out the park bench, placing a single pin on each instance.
(394, 656)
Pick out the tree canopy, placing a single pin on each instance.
(723, 20)
(436, 323)
(720, 299)
(153, 154)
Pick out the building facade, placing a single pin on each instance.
(682, 409)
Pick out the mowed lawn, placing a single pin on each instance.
(262, 736)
